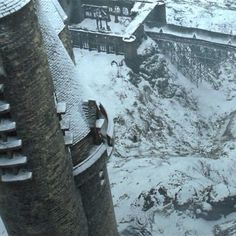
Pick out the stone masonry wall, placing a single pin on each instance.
(65, 37)
(49, 204)
(97, 199)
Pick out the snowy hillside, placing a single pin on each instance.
(214, 15)
(175, 149)
(173, 168)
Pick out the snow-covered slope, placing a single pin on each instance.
(174, 158)
(173, 169)
(214, 15)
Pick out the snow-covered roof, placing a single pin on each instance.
(60, 10)
(55, 14)
(142, 9)
(214, 15)
(193, 33)
(89, 25)
(8, 7)
(65, 76)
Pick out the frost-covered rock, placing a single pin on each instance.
(225, 229)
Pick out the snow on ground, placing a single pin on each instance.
(213, 15)
(125, 25)
(115, 28)
(175, 149)
(100, 73)
(175, 142)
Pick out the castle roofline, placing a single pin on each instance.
(64, 73)
(8, 7)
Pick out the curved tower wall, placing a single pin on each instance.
(92, 181)
(130, 50)
(94, 185)
(68, 87)
(48, 203)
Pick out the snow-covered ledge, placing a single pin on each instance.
(91, 160)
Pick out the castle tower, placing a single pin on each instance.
(37, 190)
(90, 126)
(130, 49)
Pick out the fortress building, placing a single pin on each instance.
(112, 26)
(53, 144)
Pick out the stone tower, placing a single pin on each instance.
(53, 173)
(37, 190)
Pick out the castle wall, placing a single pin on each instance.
(68, 87)
(49, 204)
(93, 182)
(111, 3)
(196, 59)
(80, 150)
(130, 49)
(97, 41)
(65, 37)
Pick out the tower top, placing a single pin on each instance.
(8, 7)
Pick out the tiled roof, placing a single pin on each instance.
(65, 77)
(8, 7)
(53, 12)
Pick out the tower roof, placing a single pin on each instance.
(8, 7)
(67, 86)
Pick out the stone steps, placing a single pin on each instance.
(90, 111)
(61, 108)
(20, 176)
(12, 162)
(68, 138)
(65, 124)
(10, 144)
(4, 108)
(7, 126)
